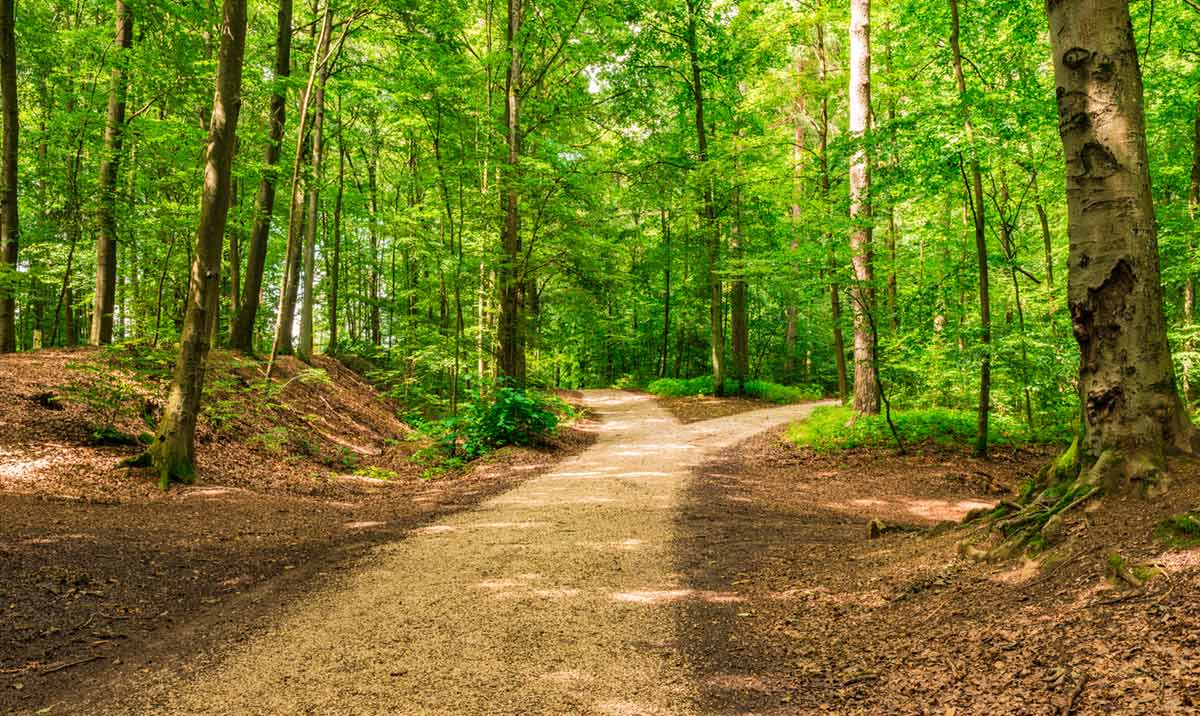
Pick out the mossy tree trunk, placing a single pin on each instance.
(1132, 413)
(173, 451)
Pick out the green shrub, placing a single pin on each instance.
(273, 440)
(1180, 530)
(109, 398)
(829, 428)
(681, 388)
(782, 394)
(760, 389)
(511, 417)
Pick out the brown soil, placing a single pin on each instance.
(102, 574)
(826, 620)
(697, 408)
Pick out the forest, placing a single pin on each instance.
(405, 264)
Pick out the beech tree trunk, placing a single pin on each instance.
(716, 309)
(373, 281)
(336, 268)
(510, 330)
(10, 227)
(114, 128)
(173, 451)
(862, 294)
(1132, 415)
(313, 198)
(282, 344)
(1189, 285)
(835, 300)
(242, 332)
(739, 328)
(975, 201)
(664, 353)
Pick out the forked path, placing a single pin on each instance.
(554, 598)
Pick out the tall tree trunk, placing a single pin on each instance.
(716, 312)
(373, 281)
(1132, 414)
(739, 329)
(336, 269)
(790, 313)
(975, 201)
(173, 452)
(106, 243)
(282, 345)
(510, 329)
(1189, 285)
(305, 343)
(242, 332)
(235, 250)
(10, 227)
(664, 354)
(866, 389)
(835, 301)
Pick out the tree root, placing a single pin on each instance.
(1035, 520)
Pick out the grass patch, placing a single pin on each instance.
(760, 389)
(829, 428)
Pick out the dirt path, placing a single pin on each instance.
(557, 597)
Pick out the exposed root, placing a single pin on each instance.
(1036, 520)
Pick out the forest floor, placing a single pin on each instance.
(103, 575)
(701, 568)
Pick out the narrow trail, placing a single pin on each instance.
(555, 598)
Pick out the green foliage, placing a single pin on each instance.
(273, 440)
(375, 472)
(681, 388)
(760, 389)
(510, 416)
(831, 428)
(108, 398)
(1181, 530)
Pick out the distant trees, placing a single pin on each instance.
(10, 227)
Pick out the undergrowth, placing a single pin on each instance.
(1180, 530)
(760, 389)
(506, 416)
(831, 428)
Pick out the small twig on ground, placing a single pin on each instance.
(70, 664)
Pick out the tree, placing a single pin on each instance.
(311, 217)
(104, 302)
(242, 330)
(297, 211)
(173, 452)
(1132, 414)
(866, 388)
(10, 227)
(716, 312)
(975, 202)
(510, 329)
